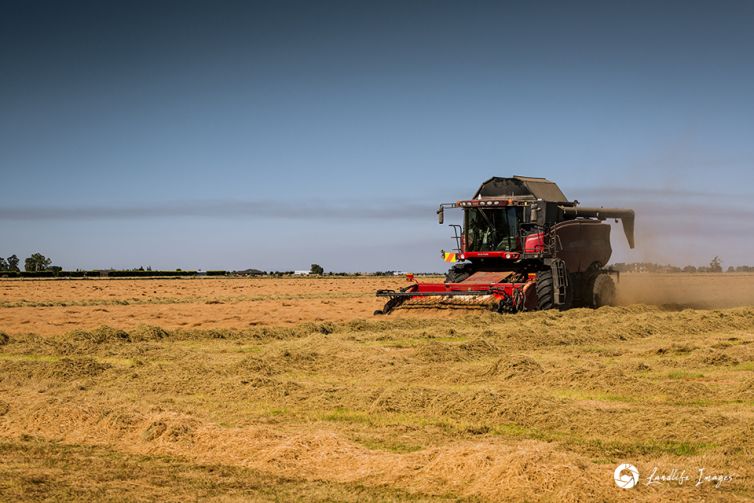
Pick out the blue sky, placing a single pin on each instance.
(273, 135)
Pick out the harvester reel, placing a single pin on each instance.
(392, 303)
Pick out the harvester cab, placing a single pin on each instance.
(522, 246)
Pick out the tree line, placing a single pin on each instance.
(39, 265)
(35, 263)
(715, 265)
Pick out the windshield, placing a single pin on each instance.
(489, 229)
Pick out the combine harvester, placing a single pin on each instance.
(523, 246)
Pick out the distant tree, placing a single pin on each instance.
(317, 270)
(3, 264)
(13, 263)
(689, 268)
(715, 265)
(37, 262)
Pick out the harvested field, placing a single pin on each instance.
(289, 389)
(185, 303)
(47, 307)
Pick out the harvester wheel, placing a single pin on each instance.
(603, 291)
(545, 292)
(458, 273)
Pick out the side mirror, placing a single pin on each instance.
(441, 215)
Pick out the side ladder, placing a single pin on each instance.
(559, 282)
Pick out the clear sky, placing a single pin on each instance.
(276, 134)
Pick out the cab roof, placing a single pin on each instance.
(540, 188)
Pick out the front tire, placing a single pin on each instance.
(545, 290)
(458, 273)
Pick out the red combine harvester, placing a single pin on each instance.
(522, 246)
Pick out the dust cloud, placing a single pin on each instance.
(681, 290)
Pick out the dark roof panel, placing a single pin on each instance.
(540, 188)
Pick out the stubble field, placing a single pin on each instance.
(289, 389)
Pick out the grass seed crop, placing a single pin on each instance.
(239, 389)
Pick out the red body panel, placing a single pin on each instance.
(498, 290)
(488, 277)
(535, 243)
(491, 254)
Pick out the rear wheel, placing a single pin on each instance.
(603, 291)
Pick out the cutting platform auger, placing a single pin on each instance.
(522, 246)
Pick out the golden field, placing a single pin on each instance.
(289, 389)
